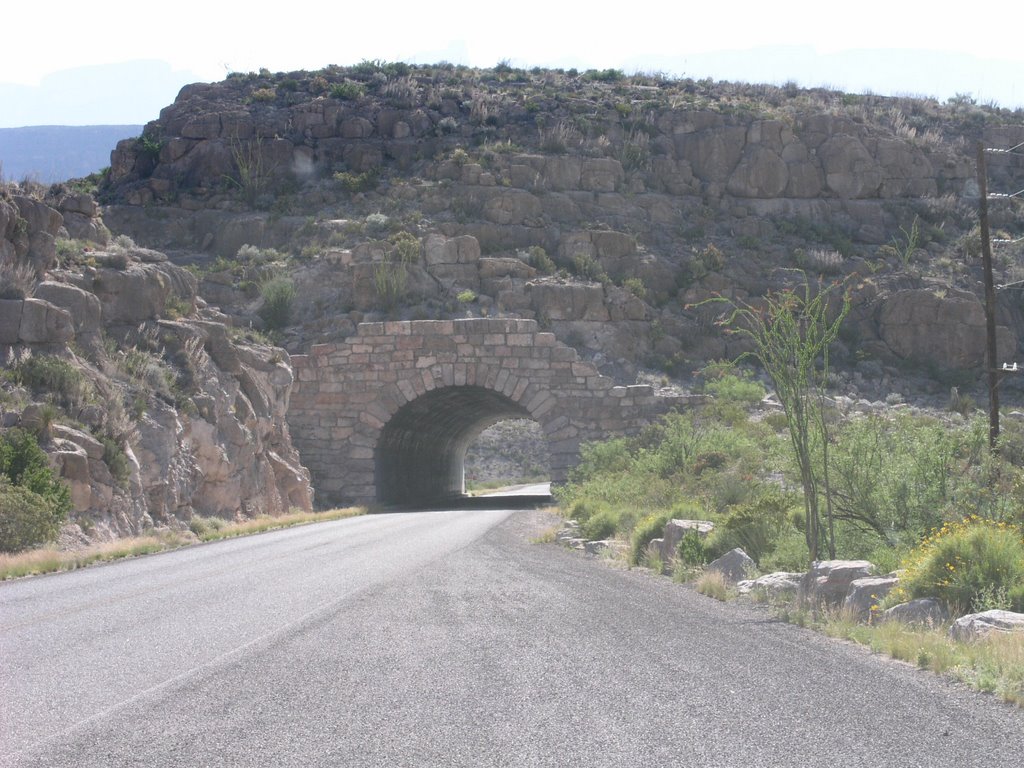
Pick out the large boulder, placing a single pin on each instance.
(978, 625)
(141, 291)
(776, 584)
(10, 320)
(864, 595)
(925, 611)
(850, 170)
(928, 328)
(828, 581)
(674, 532)
(734, 565)
(84, 307)
(45, 323)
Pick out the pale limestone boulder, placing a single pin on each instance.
(925, 611)
(908, 169)
(452, 261)
(141, 291)
(865, 594)
(567, 301)
(675, 530)
(87, 228)
(203, 126)
(85, 309)
(673, 176)
(949, 330)
(978, 625)
(356, 128)
(778, 584)
(735, 565)
(39, 216)
(761, 173)
(93, 448)
(850, 170)
(512, 206)
(45, 323)
(494, 267)
(603, 174)
(828, 581)
(10, 320)
(8, 219)
(71, 463)
(712, 154)
(562, 173)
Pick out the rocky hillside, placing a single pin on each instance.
(147, 404)
(607, 207)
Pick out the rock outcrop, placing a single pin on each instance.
(664, 195)
(159, 419)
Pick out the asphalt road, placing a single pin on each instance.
(447, 639)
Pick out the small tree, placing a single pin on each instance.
(33, 503)
(791, 332)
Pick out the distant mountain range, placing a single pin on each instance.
(52, 153)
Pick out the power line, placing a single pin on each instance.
(1004, 195)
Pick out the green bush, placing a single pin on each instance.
(602, 524)
(690, 550)
(54, 377)
(737, 388)
(347, 91)
(648, 529)
(964, 564)
(538, 258)
(754, 526)
(34, 502)
(26, 519)
(278, 294)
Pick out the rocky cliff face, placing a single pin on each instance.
(147, 404)
(606, 207)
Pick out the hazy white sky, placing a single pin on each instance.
(206, 39)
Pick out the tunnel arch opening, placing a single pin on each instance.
(420, 455)
(508, 454)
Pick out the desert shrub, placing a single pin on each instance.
(649, 528)
(789, 554)
(635, 286)
(26, 519)
(55, 377)
(116, 460)
(735, 387)
(964, 563)
(16, 280)
(538, 258)
(690, 550)
(589, 268)
(895, 476)
(347, 91)
(356, 182)
(602, 524)
(754, 526)
(263, 94)
(33, 502)
(278, 295)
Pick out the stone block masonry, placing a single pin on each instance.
(387, 415)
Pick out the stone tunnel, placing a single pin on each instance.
(388, 414)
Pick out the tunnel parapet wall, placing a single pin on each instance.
(397, 404)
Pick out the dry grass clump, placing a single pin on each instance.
(713, 584)
(39, 561)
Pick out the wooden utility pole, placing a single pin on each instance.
(990, 305)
